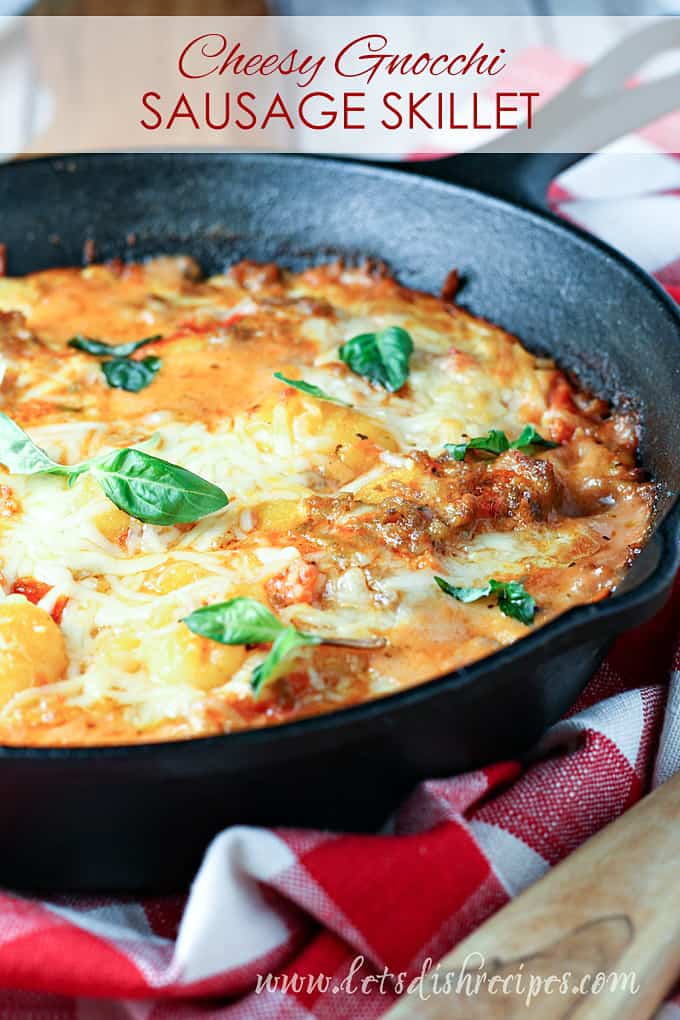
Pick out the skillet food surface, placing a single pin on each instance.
(293, 572)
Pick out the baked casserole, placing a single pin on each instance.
(237, 501)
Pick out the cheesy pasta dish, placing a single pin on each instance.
(232, 502)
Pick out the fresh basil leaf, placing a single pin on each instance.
(288, 642)
(381, 357)
(153, 490)
(310, 389)
(132, 376)
(529, 441)
(456, 451)
(513, 598)
(463, 594)
(148, 488)
(240, 621)
(494, 442)
(20, 455)
(245, 621)
(104, 350)
(121, 373)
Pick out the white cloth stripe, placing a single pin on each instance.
(609, 176)
(227, 921)
(515, 864)
(113, 920)
(668, 760)
(645, 227)
(621, 719)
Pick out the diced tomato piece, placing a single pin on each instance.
(35, 591)
(209, 325)
(297, 583)
(59, 607)
(560, 397)
(561, 431)
(297, 683)
(31, 589)
(561, 400)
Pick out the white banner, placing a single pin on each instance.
(372, 86)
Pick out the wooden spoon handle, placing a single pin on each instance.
(612, 907)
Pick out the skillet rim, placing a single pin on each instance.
(579, 621)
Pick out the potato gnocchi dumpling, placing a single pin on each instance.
(178, 656)
(32, 648)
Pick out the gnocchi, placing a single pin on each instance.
(32, 648)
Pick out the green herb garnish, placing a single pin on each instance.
(493, 442)
(381, 357)
(153, 490)
(310, 389)
(21, 456)
(104, 350)
(513, 598)
(245, 621)
(496, 442)
(529, 441)
(120, 371)
(150, 489)
(129, 375)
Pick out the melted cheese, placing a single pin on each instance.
(339, 518)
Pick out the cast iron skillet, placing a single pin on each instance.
(140, 817)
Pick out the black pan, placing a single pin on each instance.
(140, 817)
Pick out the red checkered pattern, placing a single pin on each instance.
(313, 907)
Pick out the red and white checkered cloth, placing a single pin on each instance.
(310, 903)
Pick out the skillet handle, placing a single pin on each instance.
(595, 109)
